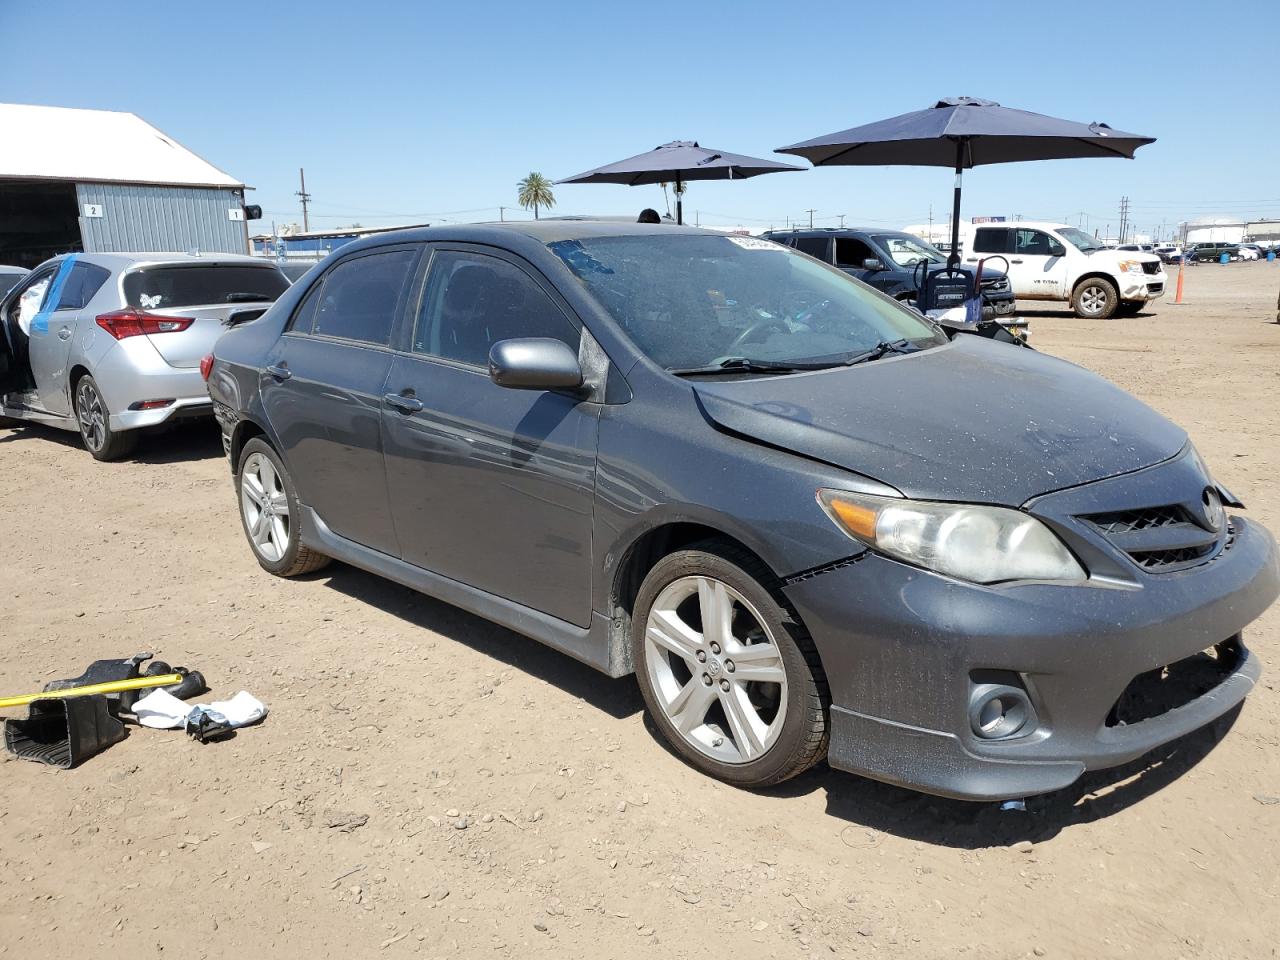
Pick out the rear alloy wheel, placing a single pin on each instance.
(94, 420)
(1095, 299)
(730, 678)
(269, 513)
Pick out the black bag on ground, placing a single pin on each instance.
(64, 733)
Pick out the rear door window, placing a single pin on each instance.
(990, 240)
(84, 280)
(360, 297)
(154, 288)
(813, 246)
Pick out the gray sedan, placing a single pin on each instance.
(108, 343)
(811, 523)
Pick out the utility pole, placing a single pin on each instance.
(502, 211)
(842, 221)
(810, 213)
(305, 198)
(1124, 217)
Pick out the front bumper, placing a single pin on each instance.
(1143, 286)
(900, 646)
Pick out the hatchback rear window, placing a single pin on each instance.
(154, 288)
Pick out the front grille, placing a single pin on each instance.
(1151, 267)
(1159, 539)
(998, 285)
(1126, 521)
(1156, 692)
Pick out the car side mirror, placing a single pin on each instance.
(873, 263)
(1057, 250)
(534, 363)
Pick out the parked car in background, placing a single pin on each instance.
(1169, 253)
(1136, 247)
(108, 343)
(1251, 251)
(888, 259)
(1212, 251)
(1053, 261)
(807, 520)
(9, 276)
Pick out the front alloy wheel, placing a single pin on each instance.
(716, 671)
(728, 673)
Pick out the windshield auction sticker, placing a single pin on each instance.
(754, 243)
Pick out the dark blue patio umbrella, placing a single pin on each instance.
(963, 132)
(679, 162)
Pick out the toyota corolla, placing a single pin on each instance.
(811, 524)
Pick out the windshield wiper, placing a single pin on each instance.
(745, 365)
(748, 365)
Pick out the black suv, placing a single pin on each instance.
(886, 259)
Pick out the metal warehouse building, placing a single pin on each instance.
(97, 180)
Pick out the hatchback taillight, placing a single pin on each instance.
(136, 323)
(206, 366)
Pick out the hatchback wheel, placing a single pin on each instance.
(1095, 299)
(730, 677)
(94, 420)
(269, 513)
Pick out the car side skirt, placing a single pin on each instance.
(598, 646)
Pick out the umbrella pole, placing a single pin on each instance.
(679, 202)
(954, 259)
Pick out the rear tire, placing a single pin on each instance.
(94, 419)
(269, 513)
(1095, 299)
(747, 704)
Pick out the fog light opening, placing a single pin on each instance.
(997, 711)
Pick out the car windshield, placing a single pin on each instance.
(1084, 242)
(907, 251)
(691, 301)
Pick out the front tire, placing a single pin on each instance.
(94, 420)
(729, 675)
(1095, 299)
(269, 513)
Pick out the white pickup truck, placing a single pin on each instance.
(1052, 261)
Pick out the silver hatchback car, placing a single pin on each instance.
(108, 343)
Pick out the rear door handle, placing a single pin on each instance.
(405, 404)
(280, 371)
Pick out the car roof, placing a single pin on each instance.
(123, 260)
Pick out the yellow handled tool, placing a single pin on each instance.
(112, 686)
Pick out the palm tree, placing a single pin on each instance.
(535, 192)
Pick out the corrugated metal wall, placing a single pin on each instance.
(176, 219)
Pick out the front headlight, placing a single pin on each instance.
(1131, 266)
(970, 542)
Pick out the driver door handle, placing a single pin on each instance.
(280, 371)
(405, 404)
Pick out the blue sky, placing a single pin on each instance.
(404, 112)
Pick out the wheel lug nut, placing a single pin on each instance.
(702, 656)
(728, 665)
(715, 648)
(724, 685)
(706, 679)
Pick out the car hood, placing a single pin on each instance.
(973, 420)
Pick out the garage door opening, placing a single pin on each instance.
(38, 220)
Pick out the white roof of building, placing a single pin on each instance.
(60, 143)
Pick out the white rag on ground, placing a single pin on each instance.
(163, 711)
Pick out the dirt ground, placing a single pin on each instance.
(517, 803)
